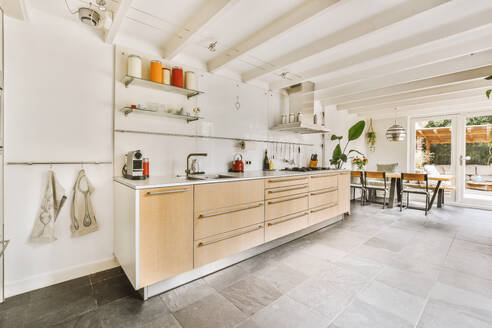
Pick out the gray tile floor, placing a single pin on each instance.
(378, 268)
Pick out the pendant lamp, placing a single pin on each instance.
(396, 132)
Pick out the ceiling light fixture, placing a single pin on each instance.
(212, 46)
(89, 16)
(396, 132)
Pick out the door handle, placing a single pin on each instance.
(463, 159)
(286, 200)
(202, 216)
(201, 244)
(288, 219)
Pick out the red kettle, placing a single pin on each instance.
(237, 164)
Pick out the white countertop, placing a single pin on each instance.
(173, 181)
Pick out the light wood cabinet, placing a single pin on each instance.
(286, 191)
(323, 181)
(220, 195)
(217, 247)
(166, 233)
(286, 181)
(323, 197)
(344, 192)
(285, 225)
(283, 206)
(217, 221)
(323, 213)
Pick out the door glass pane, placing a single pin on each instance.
(433, 146)
(478, 169)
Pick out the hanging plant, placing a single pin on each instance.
(487, 93)
(371, 137)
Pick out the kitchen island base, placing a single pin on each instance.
(184, 278)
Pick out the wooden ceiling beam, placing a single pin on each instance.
(118, 18)
(456, 27)
(419, 94)
(281, 25)
(196, 23)
(369, 25)
(459, 99)
(432, 82)
(445, 67)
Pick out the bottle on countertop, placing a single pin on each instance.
(266, 162)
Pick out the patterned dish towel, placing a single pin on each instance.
(51, 204)
(83, 217)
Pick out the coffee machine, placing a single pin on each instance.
(133, 169)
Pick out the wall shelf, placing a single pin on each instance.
(188, 118)
(129, 80)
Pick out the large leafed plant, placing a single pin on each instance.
(340, 156)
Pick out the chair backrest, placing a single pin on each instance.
(414, 176)
(375, 175)
(418, 177)
(356, 174)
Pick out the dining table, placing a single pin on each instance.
(438, 192)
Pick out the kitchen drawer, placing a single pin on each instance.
(285, 225)
(224, 194)
(286, 191)
(220, 246)
(323, 213)
(278, 207)
(214, 222)
(323, 197)
(287, 181)
(323, 181)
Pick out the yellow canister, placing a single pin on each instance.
(156, 71)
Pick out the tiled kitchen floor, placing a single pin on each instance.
(378, 268)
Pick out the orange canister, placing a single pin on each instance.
(156, 71)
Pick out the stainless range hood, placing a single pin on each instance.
(301, 100)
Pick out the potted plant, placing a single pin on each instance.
(487, 93)
(339, 157)
(359, 162)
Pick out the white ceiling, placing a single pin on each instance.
(415, 39)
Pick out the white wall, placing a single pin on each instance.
(388, 152)
(58, 107)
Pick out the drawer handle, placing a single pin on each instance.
(153, 193)
(288, 189)
(324, 191)
(201, 244)
(202, 216)
(286, 180)
(324, 208)
(285, 200)
(285, 220)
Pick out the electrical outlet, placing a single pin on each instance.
(248, 162)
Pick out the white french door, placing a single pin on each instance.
(474, 176)
(458, 145)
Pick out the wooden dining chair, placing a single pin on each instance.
(376, 181)
(357, 182)
(415, 183)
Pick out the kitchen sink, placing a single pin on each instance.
(209, 177)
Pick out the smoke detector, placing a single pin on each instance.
(89, 16)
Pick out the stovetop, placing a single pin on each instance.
(306, 169)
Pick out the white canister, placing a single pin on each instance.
(292, 118)
(299, 117)
(166, 75)
(135, 66)
(190, 80)
(285, 119)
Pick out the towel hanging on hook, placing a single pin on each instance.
(53, 199)
(82, 212)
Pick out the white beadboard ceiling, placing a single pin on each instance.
(355, 40)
